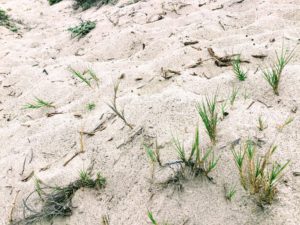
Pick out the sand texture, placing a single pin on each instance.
(138, 45)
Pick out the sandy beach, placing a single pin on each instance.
(160, 53)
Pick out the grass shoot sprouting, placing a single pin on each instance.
(84, 78)
(82, 29)
(208, 113)
(238, 71)
(86, 4)
(258, 175)
(6, 21)
(230, 192)
(91, 106)
(233, 95)
(39, 103)
(199, 161)
(153, 221)
(56, 201)
(261, 125)
(273, 74)
(115, 109)
(285, 123)
(52, 2)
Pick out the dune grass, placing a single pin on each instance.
(91, 106)
(261, 124)
(230, 193)
(86, 4)
(56, 201)
(199, 161)
(39, 103)
(208, 113)
(238, 71)
(153, 221)
(258, 175)
(82, 29)
(113, 106)
(52, 2)
(6, 21)
(83, 76)
(273, 74)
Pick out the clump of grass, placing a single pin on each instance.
(153, 221)
(115, 109)
(52, 2)
(7, 22)
(238, 71)
(208, 113)
(82, 29)
(230, 192)
(83, 78)
(286, 122)
(199, 161)
(91, 106)
(258, 175)
(56, 201)
(86, 4)
(273, 74)
(261, 125)
(39, 103)
(233, 95)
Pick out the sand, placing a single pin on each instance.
(137, 41)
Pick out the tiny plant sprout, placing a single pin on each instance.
(208, 113)
(273, 74)
(82, 29)
(261, 125)
(91, 106)
(113, 106)
(39, 103)
(238, 71)
(230, 192)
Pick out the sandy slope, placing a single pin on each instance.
(161, 107)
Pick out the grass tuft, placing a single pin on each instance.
(238, 71)
(261, 125)
(153, 221)
(285, 123)
(52, 2)
(82, 29)
(230, 193)
(39, 103)
(115, 109)
(56, 201)
(207, 111)
(273, 74)
(233, 95)
(198, 161)
(5, 21)
(83, 78)
(91, 106)
(256, 175)
(86, 4)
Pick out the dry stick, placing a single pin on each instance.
(77, 153)
(23, 167)
(13, 205)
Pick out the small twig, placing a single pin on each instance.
(13, 205)
(220, 7)
(23, 167)
(250, 104)
(79, 152)
(260, 101)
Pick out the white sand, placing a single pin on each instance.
(161, 107)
